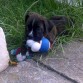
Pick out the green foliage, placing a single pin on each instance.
(12, 17)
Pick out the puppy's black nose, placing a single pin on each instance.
(38, 36)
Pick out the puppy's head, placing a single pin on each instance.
(36, 26)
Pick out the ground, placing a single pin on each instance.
(60, 66)
(67, 65)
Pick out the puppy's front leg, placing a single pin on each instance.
(23, 48)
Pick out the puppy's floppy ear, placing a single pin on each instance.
(26, 16)
(46, 26)
(28, 24)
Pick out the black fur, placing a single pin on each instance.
(40, 26)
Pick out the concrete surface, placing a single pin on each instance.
(26, 72)
(69, 62)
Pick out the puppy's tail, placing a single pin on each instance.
(62, 24)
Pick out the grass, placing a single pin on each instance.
(12, 18)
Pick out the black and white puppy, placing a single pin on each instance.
(37, 26)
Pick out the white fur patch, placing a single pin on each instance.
(31, 33)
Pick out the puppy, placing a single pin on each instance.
(37, 26)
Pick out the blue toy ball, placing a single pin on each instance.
(45, 45)
(42, 46)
